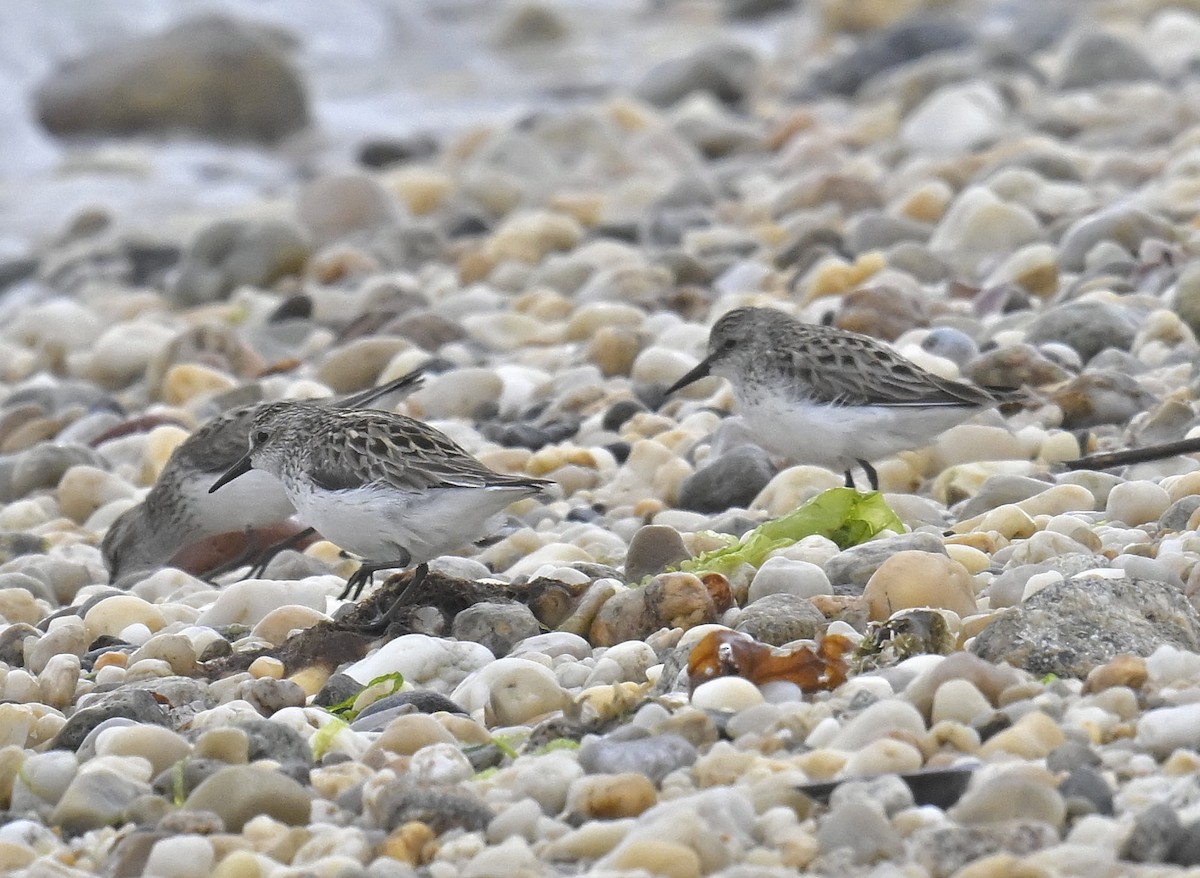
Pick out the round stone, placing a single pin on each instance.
(919, 579)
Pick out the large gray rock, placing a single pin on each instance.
(1072, 626)
(727, 72)
(733, 479)
(1103, 57)
(214, 76)
(232, 253)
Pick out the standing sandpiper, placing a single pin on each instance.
(827, 396)
(388, 488)
(179, 510)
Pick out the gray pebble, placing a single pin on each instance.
(781, 618)
(440, 809)
(850, 569)
(733, 479)
(43, 466)
(654, 547)
(1088, 785)
(134, 704)
(1070, 627)
(497, 626)
(863, 829)
(1103, 57)
(272, 740)
(655, 757)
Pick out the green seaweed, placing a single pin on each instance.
(844, 515)
(325, 735)
(344, 709)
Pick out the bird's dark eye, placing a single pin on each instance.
(728, 345)
(261, 436)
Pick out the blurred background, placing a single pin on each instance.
(379, 79)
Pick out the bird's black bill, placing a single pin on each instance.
(240, 468)
(701, 371)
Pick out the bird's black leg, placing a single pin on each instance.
(274, 549)
(849, 478)
(872, 476)
(364, 574)
(383, 620)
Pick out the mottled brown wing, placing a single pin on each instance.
(858, 370)
(399, 452)
(216, 445)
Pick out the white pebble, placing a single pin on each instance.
(726, 693)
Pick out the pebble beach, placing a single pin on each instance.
(990, 668)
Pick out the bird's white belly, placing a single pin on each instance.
(836, 436)
(255, 499)
(381, 525)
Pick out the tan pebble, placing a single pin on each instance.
(266, 666)
(464, 729)
(148, 669)
(586, 207)
(882, 756)
(1010, 521)
(1058, 500)
(114, 614)
(19, 605)
(1019, 691)
(160, 445)
(658, 857)
(919, 579)
(1020, 793)
(112, 659)
(1124, 670)
(958, 700)
(310, 679)
(950, 735)
(591, 318)
(12, 757)
(554, 456)
(407, 734)
(187, 381)
(726, 694)
(589, 842)
(422, 190)
(793, 487)
(531, 235)
(1135, 503)
(971, 558)
(832, 276)
(243, 864)
(979, 540)
(972, 625)
(225, 745)
(679, 600)
(1182, 486)
(282, 621)
(968, 443)
(1031, 737)
(611, 796)
(822, 764)
(357, 363)
(1181, 763)
(84, 489)
(523, 692)
(160, 746)
(175, 649)
(414, 843)
(613, 350)
(928, 202)
(1059, 446)
(1003, 866)
(14, 856)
